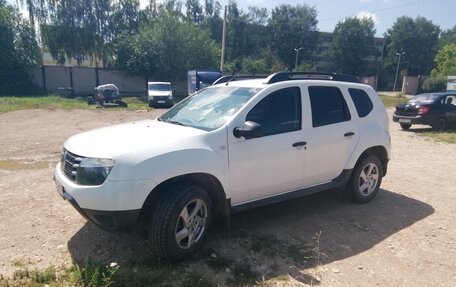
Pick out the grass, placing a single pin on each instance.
(14, 103)
(194, 279)
(242, 274)
(92, 274)
(392, 100)
(448, 136)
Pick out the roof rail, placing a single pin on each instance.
(287, 76)
(230, 78)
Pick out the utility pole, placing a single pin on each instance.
(222, 57)
(397, 69)
(296, 60)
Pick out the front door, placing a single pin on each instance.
(273, 163)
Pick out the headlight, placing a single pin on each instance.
(93, 171)
(170, 96)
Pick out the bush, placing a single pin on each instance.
(435, 84)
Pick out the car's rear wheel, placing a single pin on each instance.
(366, 179)
(440, 125)
(405, 126)
(180, 221)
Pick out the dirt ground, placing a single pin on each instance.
(405, 237)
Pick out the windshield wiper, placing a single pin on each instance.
(177, 123)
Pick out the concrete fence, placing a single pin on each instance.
(80, 81)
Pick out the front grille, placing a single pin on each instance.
(160, 98)
(70, 164)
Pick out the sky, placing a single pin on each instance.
(383, 12)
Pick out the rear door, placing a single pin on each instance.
(449, 102)
(332, 136)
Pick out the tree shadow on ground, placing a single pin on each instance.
(277, 240)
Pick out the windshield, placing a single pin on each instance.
(210, 108)
(159, 87)
(424, 98)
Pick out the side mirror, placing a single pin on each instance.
(249, 130)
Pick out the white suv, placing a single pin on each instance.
(229, 147)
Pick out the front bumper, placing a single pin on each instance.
(157, 101)
(112, 221)
(113, 206)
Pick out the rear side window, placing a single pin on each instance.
(328, 106)
(362, 102)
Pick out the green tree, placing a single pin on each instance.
(125, 17)
(445, 61)
(236, 34)
(418, 38)
(352, 44)
(194, 11)
(293, 27)
(18, 51)
(77, 29)
(448, 37)
(166, 49)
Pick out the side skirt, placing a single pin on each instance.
(339, 181)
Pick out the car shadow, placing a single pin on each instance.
(303, 233)
(427, 129)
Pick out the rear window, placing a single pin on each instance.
(424, 98)
(362, 102)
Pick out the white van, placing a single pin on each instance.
(160, 94)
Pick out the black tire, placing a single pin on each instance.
(90, 100)
(440, 125)
(167, 222)
(366, 179)
(405, 126)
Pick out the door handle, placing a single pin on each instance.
(349, 134)
(296, 144)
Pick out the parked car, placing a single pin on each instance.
(227, 148)
(106, 95)
(160, 94)
(435, 109)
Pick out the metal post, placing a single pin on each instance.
(296, 60)
(397, 70)
(222, 57)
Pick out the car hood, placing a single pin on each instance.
(117, 140)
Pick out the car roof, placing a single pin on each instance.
(261, 83)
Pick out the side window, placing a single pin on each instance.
(362, 102)
(328, 106)
(279, 112)
(450, 100)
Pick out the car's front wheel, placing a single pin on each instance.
(180, 221)
(366, 179)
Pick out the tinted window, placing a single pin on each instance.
(328, 106)
(278, 112)
(362, 102)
